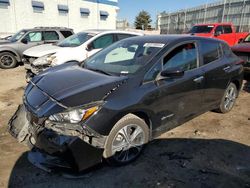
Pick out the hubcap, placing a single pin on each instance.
(230, 98)
(128, 143)
(6, 60)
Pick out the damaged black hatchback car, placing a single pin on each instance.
(75, 115)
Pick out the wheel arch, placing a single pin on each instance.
(141, 114)
(13, 52)
(237, 83)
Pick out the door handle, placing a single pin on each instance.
(199, 79)
(226, 68)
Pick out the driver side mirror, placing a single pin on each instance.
(217, 33)
(24, 40)
(170, 73)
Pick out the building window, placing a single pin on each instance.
(63, 9)
(38, 6)
(4, 3)
(104, 15)
(84, 12)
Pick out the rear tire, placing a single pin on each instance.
(126, 140)
(7, 60)
(228, 99)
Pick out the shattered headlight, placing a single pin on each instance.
(45, 60)
(74, 116)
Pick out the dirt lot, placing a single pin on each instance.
(212, 150)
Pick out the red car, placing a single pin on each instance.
(243, 50)
(222, 31)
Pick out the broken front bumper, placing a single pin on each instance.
(56, 145)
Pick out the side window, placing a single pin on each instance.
(34, 36)
(121, 54)
(219, 29)
(227, 29)
(50, 35)
(210, 51)
(183, 57)
(123, 36)
(103, 41)
(153, 72)
(66, 33)
(228, 52)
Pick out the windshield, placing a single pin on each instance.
(17, 36)
(201, 29)
(247, 39)
(123, 57)
(75, 40)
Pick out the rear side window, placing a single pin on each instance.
(103, 41)
(123, 36)
(50, 35)
(66, 33)
(227, 29)
(210, 51)
(228, 52)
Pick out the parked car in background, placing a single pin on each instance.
(12, 48)
(222, 31)
(6, 37)
(78, 47)
(74, 115)
(243, 51)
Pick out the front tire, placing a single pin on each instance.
(7, 60)
(228, 99)
(126, 140)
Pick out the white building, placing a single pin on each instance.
(76, 14)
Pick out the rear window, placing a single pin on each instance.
(66, 33)
(210, 51)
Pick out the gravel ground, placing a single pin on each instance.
(212, 150)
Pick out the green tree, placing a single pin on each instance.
(143, 20)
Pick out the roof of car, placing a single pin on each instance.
(169, 38)
(98, 31)
(205, 24)
(47, 28)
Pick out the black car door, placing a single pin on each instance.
(217, 72)
(176, 100)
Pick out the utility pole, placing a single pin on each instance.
(229, 9)
(242, 15)
(205, 14)
(68, 12)
(223, 11)
(168, 22)
(185, 20)
(98, 14)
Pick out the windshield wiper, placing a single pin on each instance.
(101, 71)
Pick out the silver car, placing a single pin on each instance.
(12, 48)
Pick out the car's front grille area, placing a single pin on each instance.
(29, 59)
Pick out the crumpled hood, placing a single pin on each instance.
(242, 47)
(41, 50)
(70, 85)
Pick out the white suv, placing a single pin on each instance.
(77, 47)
